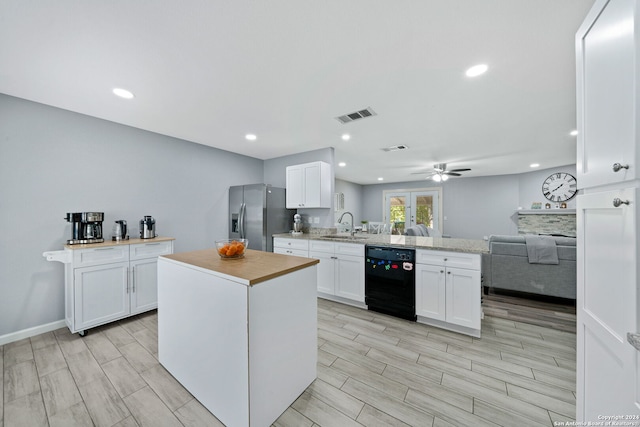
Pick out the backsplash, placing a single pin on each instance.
(547, 224)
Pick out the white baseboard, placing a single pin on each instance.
(30, 332)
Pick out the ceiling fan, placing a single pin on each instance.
(440, 172)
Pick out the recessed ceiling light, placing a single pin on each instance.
(122, 93)
(380, 179)
(346, 137)
(534, 165)
(476, 70)
(250, 137)
(342, 164)
(573, 133)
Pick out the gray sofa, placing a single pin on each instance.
(507, 266)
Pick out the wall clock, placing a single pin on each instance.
(560, 187)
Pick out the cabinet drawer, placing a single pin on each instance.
(294, 252)
(291, 244)
(150, 250)
(349, 249)
(103, 255)
(319, 246)
(448, 259)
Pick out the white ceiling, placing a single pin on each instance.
(212, 71)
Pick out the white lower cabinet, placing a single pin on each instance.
(430, 291)
(349, 277)
(295, 247)
(340, 271)
(99, 290)
(144, 285)
(99, 295)
(446, 295)
(326, 271)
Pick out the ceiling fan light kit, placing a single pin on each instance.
(441, 174)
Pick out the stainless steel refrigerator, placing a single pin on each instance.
(256, 212)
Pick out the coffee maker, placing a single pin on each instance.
(86, 227)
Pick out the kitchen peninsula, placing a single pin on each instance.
(239, 334)
(447, 273)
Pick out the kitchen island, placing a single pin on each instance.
(239, 334)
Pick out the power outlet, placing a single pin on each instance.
(316, 220)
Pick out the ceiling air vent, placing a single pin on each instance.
(395, 148)
(362, 114)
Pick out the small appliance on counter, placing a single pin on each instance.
(297, 225)
(86, 228)
(147, 227)
(120, 230)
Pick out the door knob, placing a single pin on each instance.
(617, 202)
(634, 340)
(617, 167)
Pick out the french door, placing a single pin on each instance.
(405, 209)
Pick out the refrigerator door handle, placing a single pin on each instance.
(241, 220)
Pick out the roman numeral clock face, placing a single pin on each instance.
(560, 187)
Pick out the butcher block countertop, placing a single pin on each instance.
(255, 267)
(119, 243)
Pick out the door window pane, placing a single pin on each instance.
(398, 213)
(424, 210)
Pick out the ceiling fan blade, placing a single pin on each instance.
(423, 173)
(459, 170)
(450, 173)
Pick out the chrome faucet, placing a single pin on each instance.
(353, 229)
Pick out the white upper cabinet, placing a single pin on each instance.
(608, 85)
(309, 185)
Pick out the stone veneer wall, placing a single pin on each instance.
(547, 224)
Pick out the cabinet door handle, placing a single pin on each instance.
(617, 167)
(152, 244)
(618, 202)
(334, 257)
(448, 272)
(133, 279)
(441, 271)
(445, 260)
(105, 249)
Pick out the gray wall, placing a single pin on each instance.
(54, 161)
(353, 194)
(275, 174)
(475, 207)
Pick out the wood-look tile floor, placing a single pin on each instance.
(556, 313)
(373, 370)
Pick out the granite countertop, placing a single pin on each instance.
(416, 242)
(253, 268)
(109, 242)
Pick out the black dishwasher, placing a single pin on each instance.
(390, 281)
